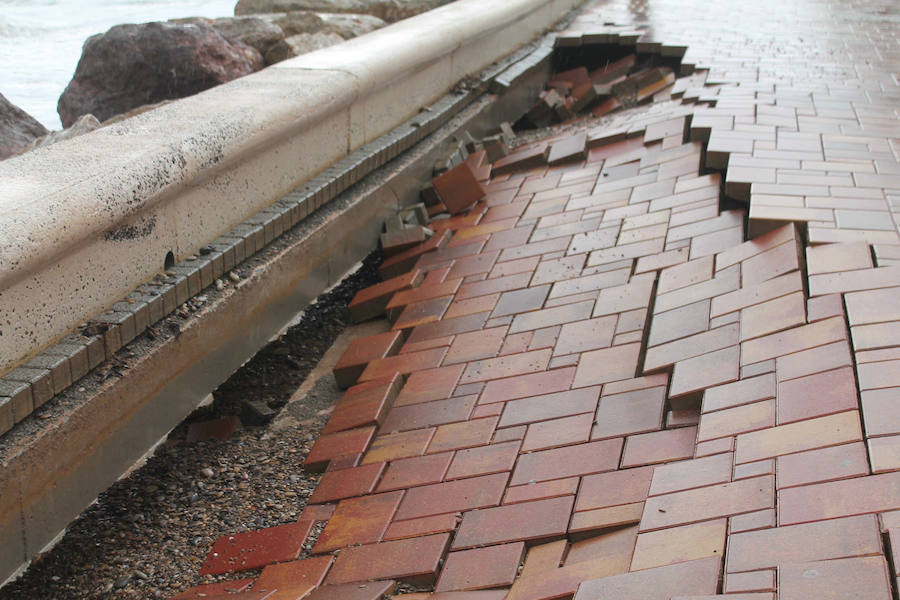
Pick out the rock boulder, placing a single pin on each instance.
(132, 65)
(301, 43)
(17, 129)
(84, 124)
(387, 10)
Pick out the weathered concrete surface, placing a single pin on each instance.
(181, 175)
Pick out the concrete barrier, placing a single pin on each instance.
(85, 221)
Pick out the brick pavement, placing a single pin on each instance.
(665, 368)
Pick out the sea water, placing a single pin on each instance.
(40, 41)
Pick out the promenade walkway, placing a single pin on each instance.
(667, 366)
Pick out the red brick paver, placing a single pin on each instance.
(608, 380)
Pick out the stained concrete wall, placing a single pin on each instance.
(83, 222)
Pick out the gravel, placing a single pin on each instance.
(148, 534)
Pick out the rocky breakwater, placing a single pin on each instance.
(388, 10)
(18, 129)
(132, 65)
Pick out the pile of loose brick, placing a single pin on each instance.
(606, 379)
(601, 91)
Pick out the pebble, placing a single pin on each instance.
(234, 276)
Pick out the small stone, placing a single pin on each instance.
(220, 285)
(207, 472)
(234, 276)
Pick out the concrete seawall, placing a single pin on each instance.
(86, 221)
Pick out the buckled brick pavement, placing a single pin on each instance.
(610, 380)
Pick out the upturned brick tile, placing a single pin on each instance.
(740, 392)
(685, 274)
(698, 373)
(447, 327)
(494, 285)
(752, 521)
(694, 577)
(817, 395)
(629, 413)
(689, 474)
(541, 491)
(299, 576)
(872, 306)
(484, 460)
(562, 582)
(415, 471)
(755, 581)
(754, 469)
(824, 307)
(522, 300)
(523, 386)
(810, 434)
(853, 281)
(569, 461)
(360, 352)
(416, 560)
(884, 453)
(399, 530)
(479, 304)
(603, 518)
(398, 264)
(607, 365)
(773, 316)
(353, 591)
(724, 500)
(814, 360)
(398, 445)
(526, 521)
(740, 419)
(634, 294)
(544, 558)
(364, 405)
(347, 483)
(679, 323)
(833, 579)
(253, 549)
(506, 366)
(878, 375)
(558, 432)
(832, 258)
(481, 568)
(437, 412)
(848, 497)
(547, 317)
(549, 406)
(475, 345)
(419, 313)
(403, 364)
(458, 188)
(659, 446)
(627, 486)
(468, 434)
(668, 354)
(336, 445)
(358, 521)
(371, 302)
(879, 412)
(754, 294)
(587, 335)
(428, 385)
(679, 544)
(822, 540)
(452, 496)
(522, 160)
(572, 148)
